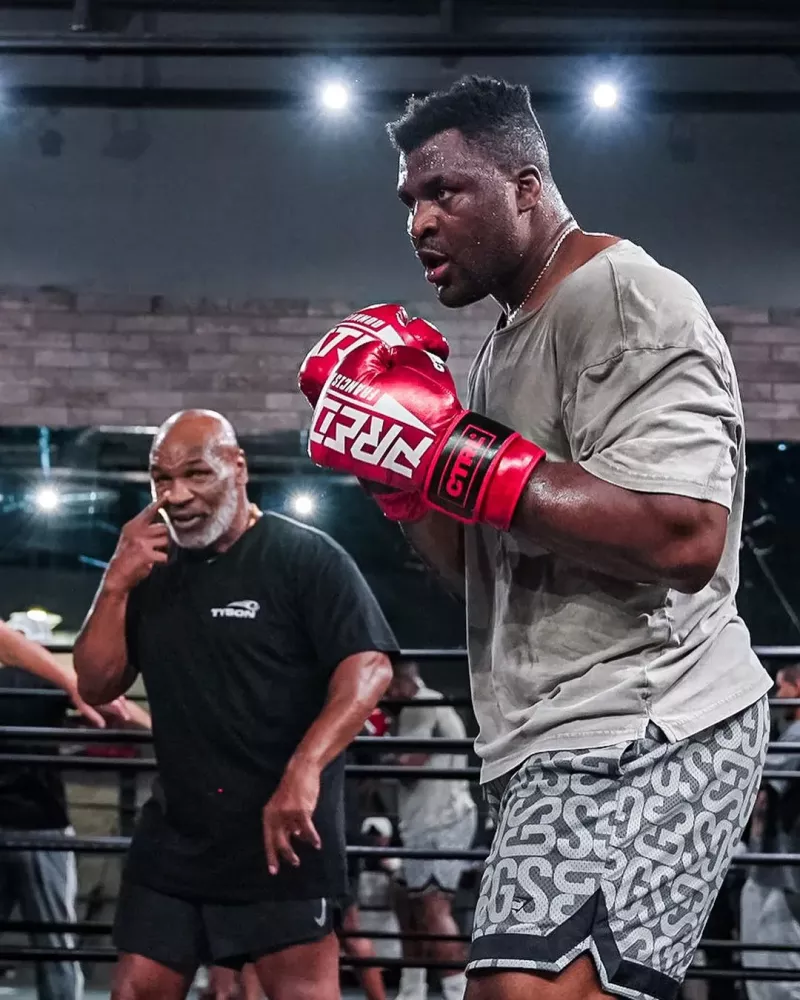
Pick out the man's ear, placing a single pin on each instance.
(242, 475)
(529, 188)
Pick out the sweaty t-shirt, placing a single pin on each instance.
(431, 803)
(623, 371)
(236, 652)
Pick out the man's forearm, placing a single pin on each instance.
(439, 541)
(643, 537)
(100, 655)
(355, 689)
(19, 651)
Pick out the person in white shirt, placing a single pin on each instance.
(770, 902)
(435, 814)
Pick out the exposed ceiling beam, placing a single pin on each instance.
(544, 43)
(698, 9)
(276, 99)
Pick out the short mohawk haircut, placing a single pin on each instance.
(494, 114)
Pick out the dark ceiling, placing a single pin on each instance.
(207, 36)
(777, 9)
(412, 27)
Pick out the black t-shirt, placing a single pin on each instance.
(31, 797)
(236, 652)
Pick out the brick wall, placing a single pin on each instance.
(765, 345)
(75, 360)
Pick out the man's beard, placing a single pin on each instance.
(217, 525)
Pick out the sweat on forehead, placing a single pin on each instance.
(197, 431)
(447, 150)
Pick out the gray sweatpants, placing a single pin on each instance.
(766, 919)
(44, 884)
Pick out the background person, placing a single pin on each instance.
(770, 900)
(33, 801)
(436, 814)
(263, 651)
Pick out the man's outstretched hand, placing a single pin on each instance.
(289, 813)
(117, 711)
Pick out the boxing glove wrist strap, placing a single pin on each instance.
(480, 471)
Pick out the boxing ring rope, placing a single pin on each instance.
(10, 841)
(382, 744)
(419, 772)
(108, 43)
(24, 841)
(346, 962)
(95, 927)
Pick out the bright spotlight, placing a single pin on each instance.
(37, 614)
(335, 96)
(605, 95)
(302, 504)
(47, 498)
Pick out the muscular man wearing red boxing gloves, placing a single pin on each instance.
(588, 502)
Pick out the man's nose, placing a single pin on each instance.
(422, 221)
(179, 493)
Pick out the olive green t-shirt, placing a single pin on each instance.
(623, 371)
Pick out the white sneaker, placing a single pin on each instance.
(413, 984)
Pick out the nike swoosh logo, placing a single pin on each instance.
(320, 920)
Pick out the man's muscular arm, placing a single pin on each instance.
(654, 435)
(101, 654)
(19, 651)
(355, 689)
(644, 537)
(439, 541)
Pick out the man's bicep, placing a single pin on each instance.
(659, 420)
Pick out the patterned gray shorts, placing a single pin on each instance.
(619, 852)
(425, 874)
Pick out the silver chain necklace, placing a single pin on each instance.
(570, 229)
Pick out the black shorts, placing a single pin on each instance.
(184, 935)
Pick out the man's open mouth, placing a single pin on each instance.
(436, 265)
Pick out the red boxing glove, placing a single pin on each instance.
(389, 324)
(377, 723)
(391, 415)
(396, 505)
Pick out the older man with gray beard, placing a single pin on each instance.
(263, 652)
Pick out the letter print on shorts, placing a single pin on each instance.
(619, 852)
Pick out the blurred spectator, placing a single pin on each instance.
(348, 922)
(377, 887)
(436, 815)
(227, 984)
(770, 907)
(33, 800)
